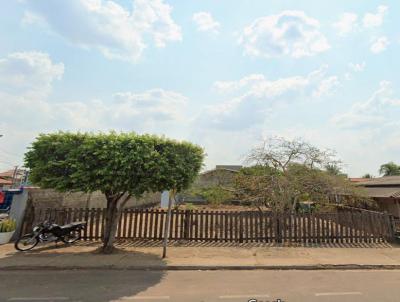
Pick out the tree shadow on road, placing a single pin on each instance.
(93, 284)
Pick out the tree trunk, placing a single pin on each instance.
(113, 215)
(110, 228)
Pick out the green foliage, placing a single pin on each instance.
(389, 169)
(214, 195)
(259, 186)
(334, 169)
(258, 170)
(113, 163)
(7, 225)
(367, 175)
(190, 206)
(120, 165)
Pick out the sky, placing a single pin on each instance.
(223, 74)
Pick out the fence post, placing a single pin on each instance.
(240, 227)
(186, 225)
(278, 237)
(390, 227)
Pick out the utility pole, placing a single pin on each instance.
(167, 224)
(14, 177)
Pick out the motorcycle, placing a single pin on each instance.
(49, 232)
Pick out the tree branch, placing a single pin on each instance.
(124, 201)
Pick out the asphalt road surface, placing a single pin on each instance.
(125, 286)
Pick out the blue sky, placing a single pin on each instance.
(223, 74)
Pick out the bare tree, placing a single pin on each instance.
(279, 153)
(286, 172)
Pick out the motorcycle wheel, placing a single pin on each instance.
(73, 236)
(26, 243)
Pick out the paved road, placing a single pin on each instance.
(125, 286)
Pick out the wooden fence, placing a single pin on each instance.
(228, 226)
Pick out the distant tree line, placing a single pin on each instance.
(388, 169)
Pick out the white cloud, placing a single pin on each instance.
(26, 80)
(154, 110)
(375, 20)
(254, 97)
(153, 17)
(346, 24)
(354, 68)
(28, 74)
(30, 18)
(155, 104)
(205, 22)
(107, 26)
(380, 109)
(290, 33)
(379, 44)
(326, 87)
(357, 67)
(232, 86)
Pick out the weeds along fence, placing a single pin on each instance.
(227, 226)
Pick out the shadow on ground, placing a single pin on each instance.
(132, 243)
(92, 285)
(182, 243)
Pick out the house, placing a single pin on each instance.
(385, 191)
(359, 179)
(4, 182)
(11, 177)
(222, 175)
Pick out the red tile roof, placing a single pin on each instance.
(7, 174)
(5, 182)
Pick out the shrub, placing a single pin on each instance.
(8, 225)
(213, 195)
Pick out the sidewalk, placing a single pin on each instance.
(84, 256)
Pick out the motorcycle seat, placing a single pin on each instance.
(71, 225)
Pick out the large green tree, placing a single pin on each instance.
(120, 165)
(389, 169)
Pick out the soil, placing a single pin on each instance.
(222, 207)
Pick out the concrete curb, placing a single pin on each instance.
(211, 268)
